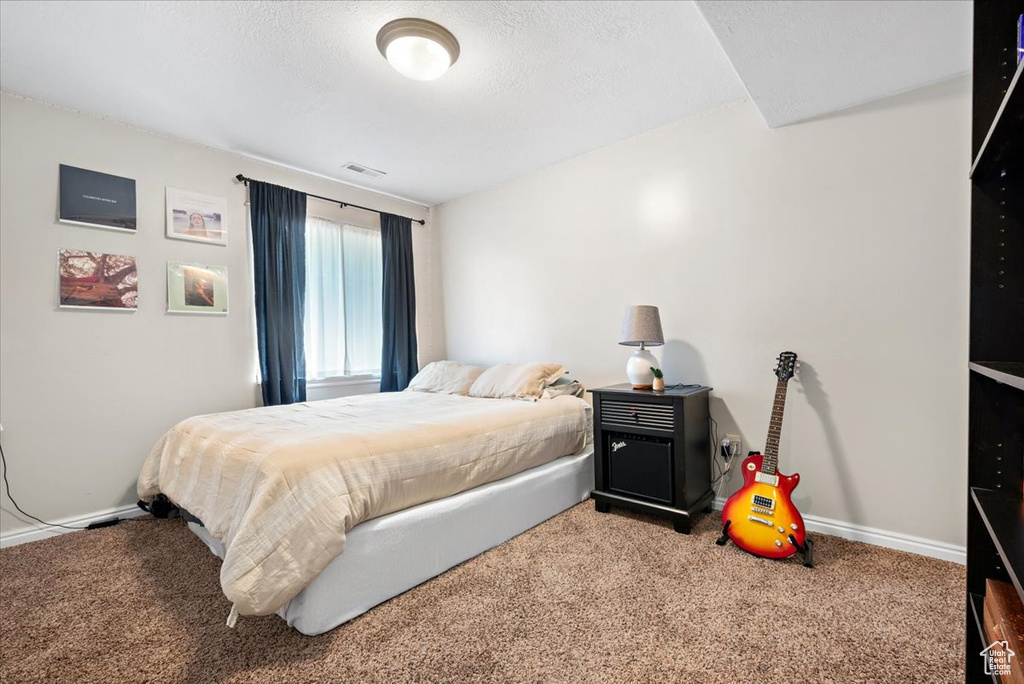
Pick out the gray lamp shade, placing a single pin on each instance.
(642, 325)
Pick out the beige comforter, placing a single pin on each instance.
(279, 487)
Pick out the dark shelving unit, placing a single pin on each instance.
(1002, 144)
(995, 467)
(1003, 515)
(974, 617)
(1006, 373)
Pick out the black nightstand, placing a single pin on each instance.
(652, 452)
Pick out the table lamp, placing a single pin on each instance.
(642, 326)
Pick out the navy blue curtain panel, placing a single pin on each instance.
(398, 360)
(278, 217)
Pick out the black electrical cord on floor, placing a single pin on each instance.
(3, 460)
(91, 526)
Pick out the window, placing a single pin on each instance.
(344, 279)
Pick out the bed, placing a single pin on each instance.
(324, 509)
(394, 553)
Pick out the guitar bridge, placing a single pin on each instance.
(754, 518)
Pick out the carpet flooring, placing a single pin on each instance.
(584, 597)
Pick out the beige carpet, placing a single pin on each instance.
(584, 597)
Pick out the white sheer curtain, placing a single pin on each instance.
(343, 299)
(364, 281)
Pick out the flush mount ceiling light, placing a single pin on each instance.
(417, 48)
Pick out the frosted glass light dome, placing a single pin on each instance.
(417, 48)
(420, 59)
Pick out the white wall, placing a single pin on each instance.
(844, 239)
(84, 395)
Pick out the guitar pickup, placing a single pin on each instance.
(754, 518)
(763, 502)
(764, 478)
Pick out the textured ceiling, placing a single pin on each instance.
(799, 60)
(302, 83)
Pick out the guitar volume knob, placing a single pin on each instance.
(794, 526)
(778, 543)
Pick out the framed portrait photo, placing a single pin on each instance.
(91, 198)
(195, 216)
(93, 280)
(195, 288)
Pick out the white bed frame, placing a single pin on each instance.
(386, 556)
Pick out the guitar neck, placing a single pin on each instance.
(771, 449)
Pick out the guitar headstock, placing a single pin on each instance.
(787, 366)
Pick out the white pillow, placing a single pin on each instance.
(516, 381)
(445, 377)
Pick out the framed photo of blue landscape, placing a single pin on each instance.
(99, 200)
(195, 216)
(197, 289)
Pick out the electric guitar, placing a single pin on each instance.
(760, 517)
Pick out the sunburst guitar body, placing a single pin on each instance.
(760, 517)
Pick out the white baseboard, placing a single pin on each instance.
(813, 523)
(38, 531)
(873, 535)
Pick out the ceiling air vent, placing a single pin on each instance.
(364, 170)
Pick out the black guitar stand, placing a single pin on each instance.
(807, 550)
(724, 539)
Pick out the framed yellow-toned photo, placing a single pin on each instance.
(195, 288)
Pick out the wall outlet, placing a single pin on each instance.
(734, 446)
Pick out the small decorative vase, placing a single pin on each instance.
(658, 385)
(638, 368)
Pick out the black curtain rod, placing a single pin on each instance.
(245, 180)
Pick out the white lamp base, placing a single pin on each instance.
(638, 369)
